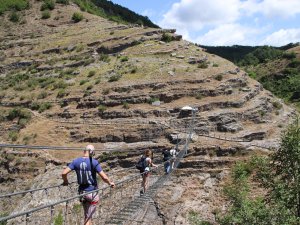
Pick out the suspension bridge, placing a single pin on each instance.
(117, 205)
(120, 205)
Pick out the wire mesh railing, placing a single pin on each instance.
(68, 210)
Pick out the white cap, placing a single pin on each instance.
(91, 149)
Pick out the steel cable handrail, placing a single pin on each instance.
(237, 141)
(32, 190)
(55, 186)
(44, 148)
(68, 199)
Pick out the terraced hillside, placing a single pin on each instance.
(123, 86)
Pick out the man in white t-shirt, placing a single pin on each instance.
(173, 154)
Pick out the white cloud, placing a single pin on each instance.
(227, 34)
(229, 21)
(194, 14)
(282, 37)
(272, 8)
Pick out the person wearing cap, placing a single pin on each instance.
(86, 169)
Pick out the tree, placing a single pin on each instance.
(279, 174)
(285, 185)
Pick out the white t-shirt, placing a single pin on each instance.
(147, 161)
(173, 152)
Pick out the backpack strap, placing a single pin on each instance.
(93, 170)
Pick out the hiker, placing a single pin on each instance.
(173, 154)
(166, 158)
(87, 180)
(144, 165)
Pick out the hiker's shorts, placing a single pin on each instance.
(89, 203)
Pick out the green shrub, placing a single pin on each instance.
(215, 65)
(151, 100)
(42, 95)
(3, 214)
(77, 17)
(14, 17)
(19, 113)
(133, 70)
(289, 55)
(198, 96)
(46, 14)
(44, 106)
(167, 37)
(104, 57)
(13, 135)
(203, 65)
(86, 93)
(114, 78)
(69, 71)
(92, 73)
(125, 105)
(60, 85)
(102, 108)
(41, 107)
(90, 87)
(219, 77)
(79, 48)
(252, 74)
(17, 5)
(22, 122)
(59, 219)
(82, 82)
(61, 93)
(295, 63)
(45, 82)
(2, 115)
(277, 105)
(98, 81)
(65, 2)
(194, 219)
(106, 91)
(88, 62)
(20, 87)
(48, 5)
(241, 170)
(124, 58)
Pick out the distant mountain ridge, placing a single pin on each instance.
(235, 53)
(118, 11)
(276, 68)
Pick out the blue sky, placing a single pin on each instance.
(225, 22)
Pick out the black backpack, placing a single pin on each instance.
(167, 155)
(141, 164)
(83, 181)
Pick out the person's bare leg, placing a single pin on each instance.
(144, 183)
(88, 222)
(87, 214)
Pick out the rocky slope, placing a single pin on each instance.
(123, 86)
